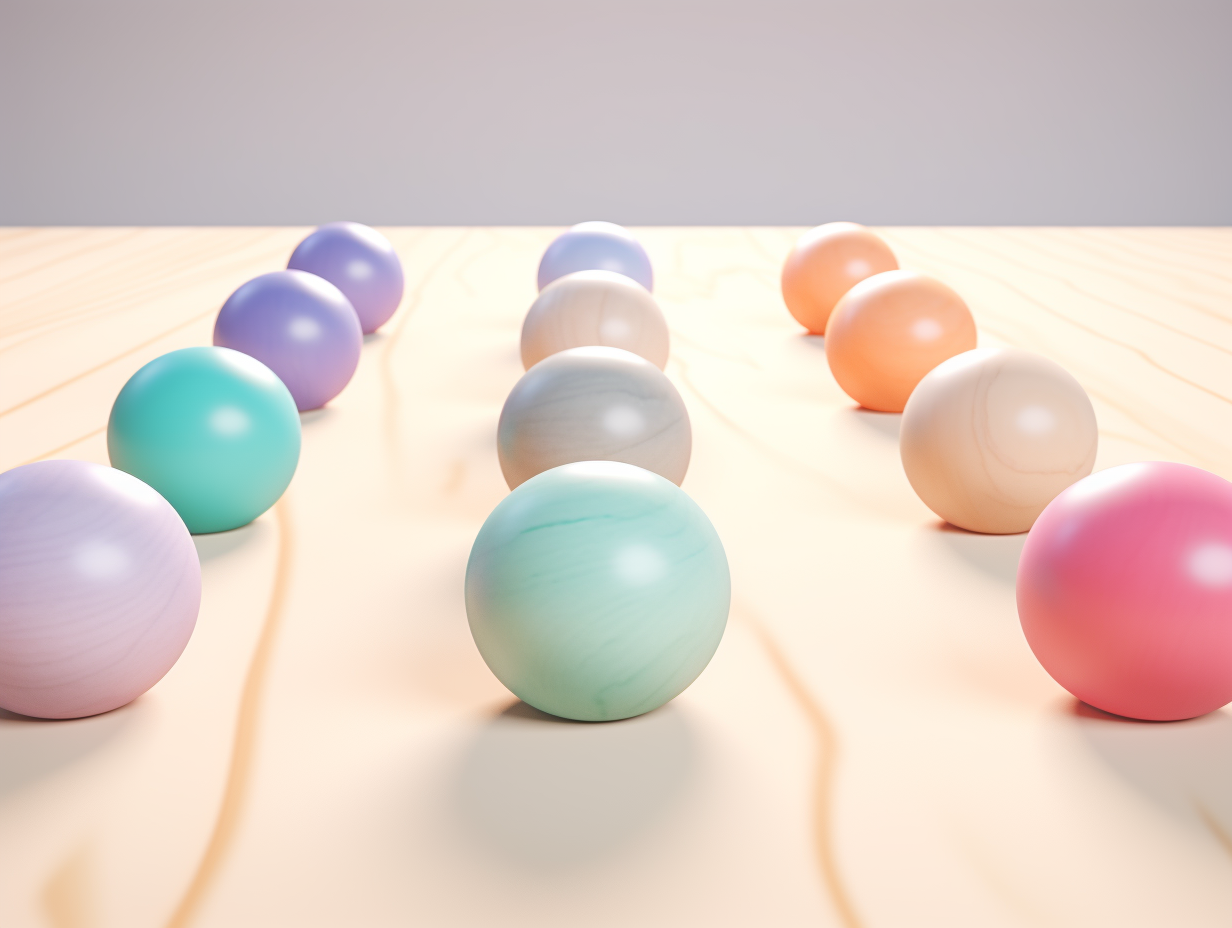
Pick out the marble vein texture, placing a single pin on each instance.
(99, 589)
(597, 591)
(595, 308)
(991, 436)
(593, 404)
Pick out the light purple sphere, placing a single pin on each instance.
(298, 325)
(99, 589)
(360, 262)
(596, 246)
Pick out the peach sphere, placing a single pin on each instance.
(890, 330)
(827, 262)
(991, 436)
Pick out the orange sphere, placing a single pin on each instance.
(889, 331)
(826, 263)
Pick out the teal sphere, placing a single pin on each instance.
(213, 430)
(597, 591)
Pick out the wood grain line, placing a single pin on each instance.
(1216, 829)
(244, 745)
(1090, 330)
(393, 399)
(75, 441)
(104, 364)
(827, 762)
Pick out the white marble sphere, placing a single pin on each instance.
(593, 404)
(991, 436)
(595, 308)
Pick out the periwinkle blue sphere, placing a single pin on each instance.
(360, 262)
(213, 430)
(597, 591)
(301, 327)
(596, 246)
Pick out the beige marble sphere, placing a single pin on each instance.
(594, 308)
(991, 436)
(593, 404)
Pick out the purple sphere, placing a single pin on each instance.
(596, 246)
(360, 262)
(298, 325)
(99, 589)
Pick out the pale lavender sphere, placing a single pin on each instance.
(596, 246)
(298, 325)
(360, 262)
(99, 589)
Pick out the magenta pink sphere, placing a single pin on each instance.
(1125, 590)
(99, 588)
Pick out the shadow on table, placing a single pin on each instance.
(312, 417)
(219, 544)
(884, 423)
(544, 792)
(1184, 767)
(33, 749)
(995, 555)
(815, 342)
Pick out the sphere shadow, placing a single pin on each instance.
(994, 555)
(1184, 767)
(815, 342)
(33, 749)
(884, 423)
(310, 417)
(219, 544)
(547, 794)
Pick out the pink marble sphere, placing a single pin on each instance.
(1125, 590)
(99, 589)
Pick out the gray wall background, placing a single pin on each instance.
(639, 111)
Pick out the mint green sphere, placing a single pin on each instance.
(597, 591)
(213, 430)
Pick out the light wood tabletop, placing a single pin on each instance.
(873, 744)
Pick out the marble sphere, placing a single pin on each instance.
(99, 589)
(211, 429)
(595, 308)
(1125, 590)
(991, 436)
(596, 246)
(597, 591)
(593, 404)
(301, 327)
(360, 262)
(825, 263)
(891, 329)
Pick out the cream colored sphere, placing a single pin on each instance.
(991, 436)
(595, 308)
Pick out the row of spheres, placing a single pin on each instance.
(100, 584)
(597, 589)
(1124, 585)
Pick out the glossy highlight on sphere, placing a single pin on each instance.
(360, 262)
(1125, 590)
(827, 262)
(595, 308)
(597, 591)
(211, 429)
(596, 246)
(593, 404)
(301, 327)
(890, 330)
(991, 436)
(99, 589)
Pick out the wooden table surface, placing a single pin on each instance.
(873, 745)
